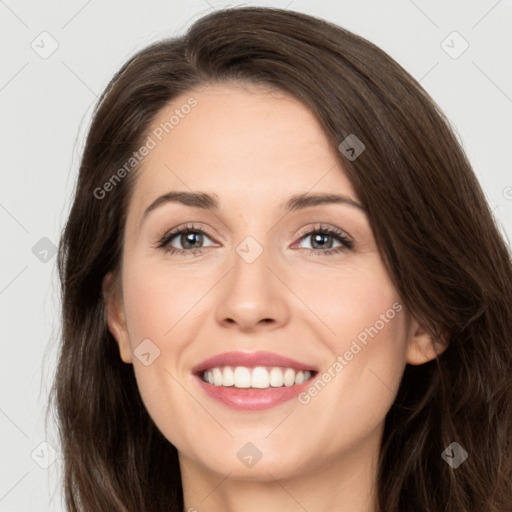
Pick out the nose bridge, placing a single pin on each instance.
(252, 294)
(250, 275)
(254, 251)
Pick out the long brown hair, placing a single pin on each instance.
(431, 222)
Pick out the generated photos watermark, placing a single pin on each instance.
(343, 360)
(152, 140)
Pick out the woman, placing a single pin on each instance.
(282, 286)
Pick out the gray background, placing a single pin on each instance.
(46, 102)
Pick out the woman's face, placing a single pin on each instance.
(251, 278)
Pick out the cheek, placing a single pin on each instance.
(160, 308)
(354, 301)
(365, 330)
(157, 298)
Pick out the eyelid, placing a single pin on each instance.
(345, 238)
(166, 238)
(325, 228)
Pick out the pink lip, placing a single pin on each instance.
(251, 399)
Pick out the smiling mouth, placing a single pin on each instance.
(258, 377)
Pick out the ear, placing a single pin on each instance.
(115, 316)
(421, 347)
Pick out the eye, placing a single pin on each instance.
(190, 238)
(322, 239)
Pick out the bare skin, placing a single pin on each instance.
(253, 150)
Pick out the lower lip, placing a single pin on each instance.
(252, 399)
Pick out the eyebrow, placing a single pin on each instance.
(211, 201)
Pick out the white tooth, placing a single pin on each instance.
(276, 377)
(242, 377)
(299, 378)
(289, 377)
(260, 378)
(228, 378)
(217, 377)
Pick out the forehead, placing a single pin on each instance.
(243, 143)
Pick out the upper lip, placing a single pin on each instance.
(250, 359)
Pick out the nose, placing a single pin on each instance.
(253, 295)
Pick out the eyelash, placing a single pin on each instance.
(346, 243)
